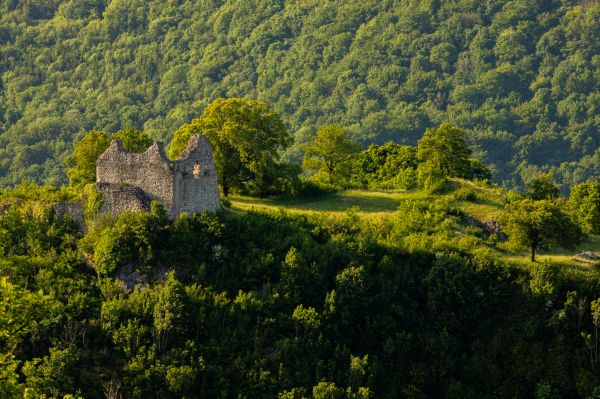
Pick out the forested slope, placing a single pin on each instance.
(280, 305)
(522, 76)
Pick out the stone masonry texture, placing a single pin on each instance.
(130, 181)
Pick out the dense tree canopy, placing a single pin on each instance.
(520, 76)
(387, 166)
(416, 304)
(247, 138)
(584, 201)
(542, 187)
(445, 150)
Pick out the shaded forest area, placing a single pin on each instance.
(522, 77)
(273, 305)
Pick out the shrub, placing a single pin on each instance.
(92, 202)
(312, 188)
(465, 194)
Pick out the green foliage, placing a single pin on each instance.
(247, 137)
(57, 374)
(542, 187)
(330, 153)
(389, 166)
(539, 224)
(92, 202)
(520, 76)
(34, 229)
(327, 390)
(87, 151)
(128, 241)
(584, 202)
(477, 170)
(85, 154)
(29, 190)
(134, 140)
(430, 179)
(465, 193)
(22, 312)
(276, 304)
(443, 151)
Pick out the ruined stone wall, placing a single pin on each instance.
(72, 210)
(129, 181)
(122, 198)
(150, 171)
(196, 178)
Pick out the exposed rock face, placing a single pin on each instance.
(587, 255)
(493, 227)
(72, 210)
(129, 181)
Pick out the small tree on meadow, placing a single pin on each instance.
(330, 151)
(539, 224)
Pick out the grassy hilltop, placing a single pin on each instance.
(487, 204)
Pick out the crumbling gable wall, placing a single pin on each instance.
(150, 171)
(196, 178)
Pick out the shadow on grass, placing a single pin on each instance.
(327, 203)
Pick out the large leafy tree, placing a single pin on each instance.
(247, 137)
(330, 152)
(87, 151)
(585, 204)
(445, 151)
(387, 166)
(539, 224)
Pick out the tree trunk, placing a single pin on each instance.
(330, 170)
(533, 253)
(225, 187)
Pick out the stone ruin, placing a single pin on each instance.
(130, 181)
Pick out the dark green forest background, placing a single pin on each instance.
(522, 77)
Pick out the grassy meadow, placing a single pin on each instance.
(376, 206)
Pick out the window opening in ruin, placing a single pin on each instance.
(196, 172)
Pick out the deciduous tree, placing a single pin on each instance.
(87, 151)
(542, 187)
(539, 224)
(330, 151)
(585, 204)
(247, 137)
(445, 151)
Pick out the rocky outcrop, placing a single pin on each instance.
(586, 256)
(72, 210)
(493, 227)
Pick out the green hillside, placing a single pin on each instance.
(349, 295)
(521, 76)
(378, 208)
